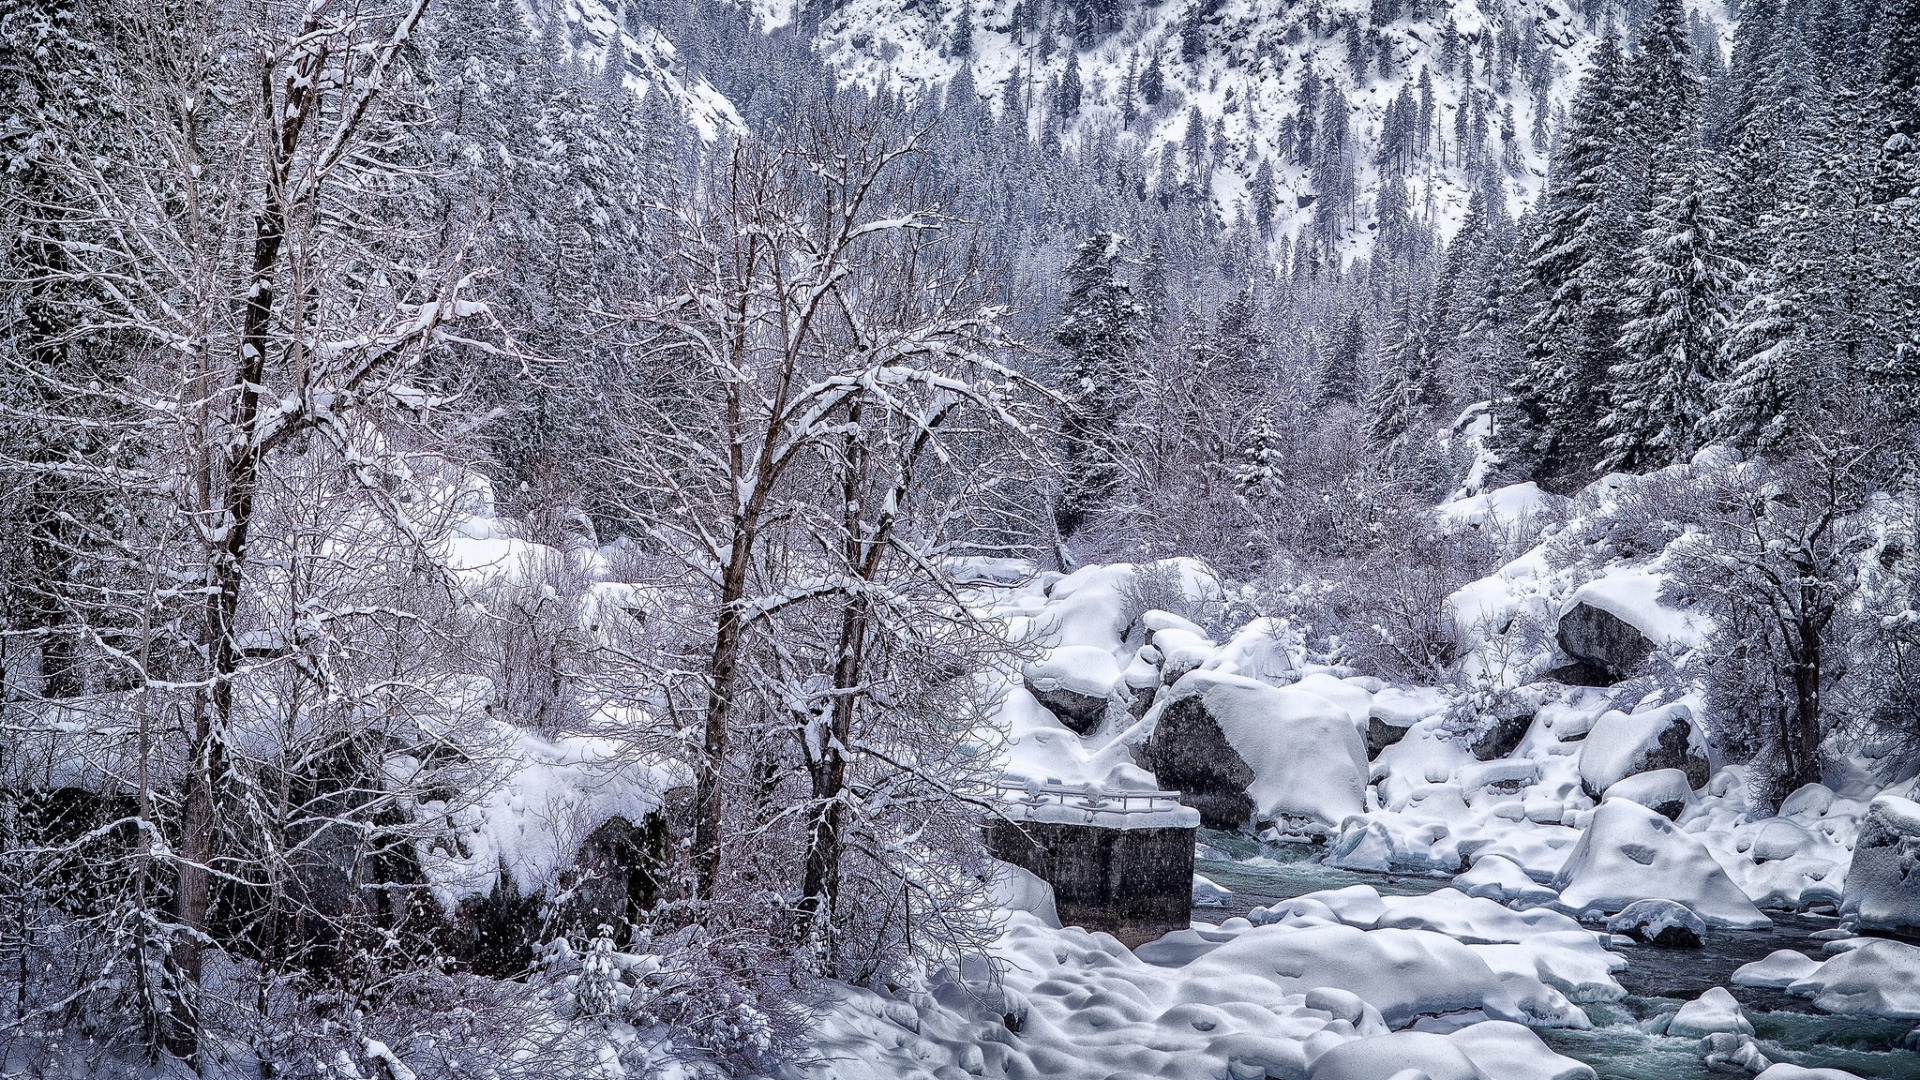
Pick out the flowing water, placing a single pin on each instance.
(1620, 1045)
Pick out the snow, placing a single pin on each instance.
(1777, 971)
(1631, 594)
(1713, 1011)
(1630, 853)
(1307, 758)
(1080, 669)
(1648, 920)
(1621, 742)
(1500, 879)
(1880, 977)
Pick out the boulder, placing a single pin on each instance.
(1381, 734)
(1882, 892)
(1660, 922)
(1713, 1011)
(1629, 853)
(1242, 751)
(1502, 737)
(1626, 744)
(1880, 978)
(1074, 683)
(1666, 792)
(1602, 647)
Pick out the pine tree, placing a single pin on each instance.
(1679, 299)
(1100, 331)
(1340, 376)
(1266, 199)
(1570, 333)
(1067, 99)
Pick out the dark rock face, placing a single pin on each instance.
(1660, 922)
(1676, 749)
(1080, 712)
(1136, 884)
(1142, 700)
(1882, 893)
(1502, 738)
(1189, 753)
(617, 875)
(1381, 735)
(1605, 649)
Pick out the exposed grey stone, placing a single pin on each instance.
(1604, 648)
(1381, 735)
(1136, 884)
(1190, 754)
(1079, 712)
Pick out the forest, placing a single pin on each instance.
(436, 432)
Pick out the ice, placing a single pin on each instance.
(1630, 853)
(1660, 922)
(1713, 1011)
(1879, 978)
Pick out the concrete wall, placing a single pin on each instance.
(1135, 884)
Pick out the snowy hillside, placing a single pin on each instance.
(1258, 73)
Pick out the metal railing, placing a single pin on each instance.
(1123, 802)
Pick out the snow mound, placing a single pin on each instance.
(1630, 853)
(1077, 669)
(1307, 762)
(1777, 971)
(1713, 1011)
(1879, 978)
(1659, 922)
(1500, 879)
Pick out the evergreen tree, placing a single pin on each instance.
(1340, 378)
(1660, 391)
(1067, 98)
(1100, 329)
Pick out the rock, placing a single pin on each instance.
(1604, 648)
(1381, 735)
(1777, 971)
(1074, 683)
(1666, 792)
(1731, 1052)
(1882, 892)
(1625, 744)
(1240, 751)
(1629, 853)
(1659, 922)
(1502, 737)
(1712, 1012)
(1880, 978)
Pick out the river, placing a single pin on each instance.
(1658, 980)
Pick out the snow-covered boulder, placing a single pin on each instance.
(1659, 922)
(1396, 709)
(1630, 853)
(1879, 978)
(1713, 1011)
(1402, 1053)
(1602, 648)
(1241, 750)
(1501, 880)
(1470, 919)
(1776, 971)
(1732, 1052)
(1405, 974)
(1626, 744)
(1666, 792)
(1074, 683)
(1883, 886)
(1784, 1071)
